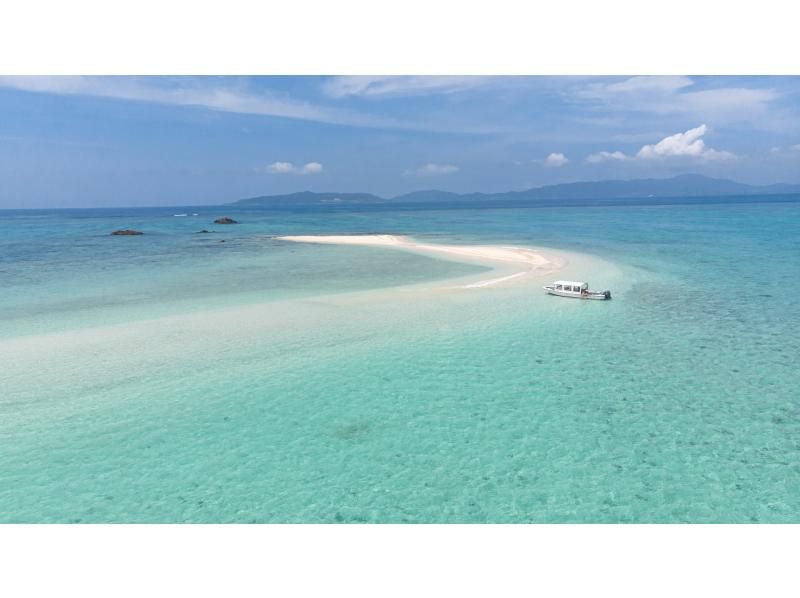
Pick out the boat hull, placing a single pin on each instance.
(591, 295)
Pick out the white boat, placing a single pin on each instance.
(576, 290)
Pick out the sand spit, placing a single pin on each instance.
(522, 261)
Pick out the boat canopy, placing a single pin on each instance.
(572, 283)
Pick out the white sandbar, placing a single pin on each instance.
(533, 261)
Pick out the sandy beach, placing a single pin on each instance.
(515, 263)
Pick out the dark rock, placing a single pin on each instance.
(225, 220)
(127, 231)
(203, 231)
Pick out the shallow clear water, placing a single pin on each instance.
(171, 377)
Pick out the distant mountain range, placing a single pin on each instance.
(686, 185)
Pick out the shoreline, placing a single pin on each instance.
(501, 258)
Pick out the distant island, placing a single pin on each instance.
(687, 185)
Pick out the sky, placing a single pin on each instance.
(144, 141)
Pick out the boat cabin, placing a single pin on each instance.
(570, 286)
(576, 290)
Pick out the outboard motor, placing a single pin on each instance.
(607, 294)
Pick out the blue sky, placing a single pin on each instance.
(127, 141)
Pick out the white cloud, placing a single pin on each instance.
(679, 144)
(338, 87)
(188, 91)
(605, 157)
(779, 150)
(281, 167)
(433, 169)
(644, 84)
(718, 155)
(312, 168)
(289, 168)
(688, 143)
(234, 95)
(555, 160)
(676, 95)
(729, 103)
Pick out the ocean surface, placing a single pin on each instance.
(174, 377)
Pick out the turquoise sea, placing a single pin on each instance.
(171, 377)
